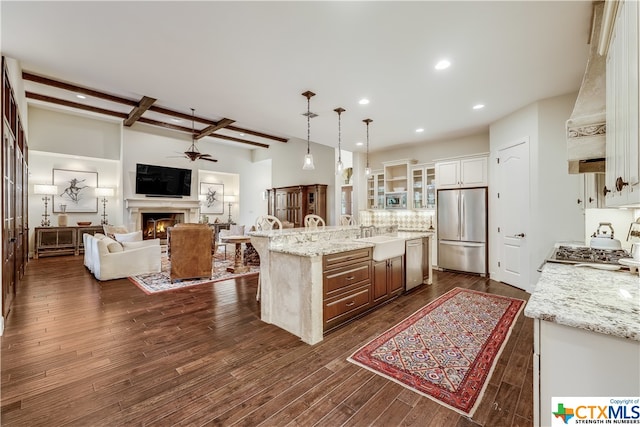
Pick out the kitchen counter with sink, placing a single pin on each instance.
(291, 270)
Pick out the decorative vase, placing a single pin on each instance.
(63, 218)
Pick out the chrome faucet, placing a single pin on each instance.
(367, 230)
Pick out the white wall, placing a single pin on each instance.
(554, 213)
(427, 152)
(286, 165)
(41, 165)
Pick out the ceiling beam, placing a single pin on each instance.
(79, 89)
(211, 129)
(139, 110)
(58, 101)
(231, 138)
(136, 104)
(185, 116)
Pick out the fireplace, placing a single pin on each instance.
(155, 224)
(178, 210)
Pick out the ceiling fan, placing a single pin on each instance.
(192, 152)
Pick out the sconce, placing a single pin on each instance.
(104, 192)
(46, 190)
(230, 199)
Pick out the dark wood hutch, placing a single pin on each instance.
(293, 203)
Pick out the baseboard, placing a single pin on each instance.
(1, 325)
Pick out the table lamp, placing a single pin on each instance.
(230, 199)
(104, 192)
(46, 190)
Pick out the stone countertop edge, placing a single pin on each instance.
(606, 302)
(326, 247)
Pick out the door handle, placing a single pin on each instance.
(521, 235)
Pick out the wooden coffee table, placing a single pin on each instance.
(238, 262)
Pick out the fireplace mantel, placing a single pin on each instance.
(135, 206)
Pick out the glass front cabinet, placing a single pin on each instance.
(423, 188)
(375, 190)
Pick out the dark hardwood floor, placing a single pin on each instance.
(79, 352)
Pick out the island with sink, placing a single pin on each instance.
(313, 280)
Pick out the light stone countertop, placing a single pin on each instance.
(323, 241)
(606, 302)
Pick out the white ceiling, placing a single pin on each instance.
(250, 61)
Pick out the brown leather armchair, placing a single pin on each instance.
(190, 248)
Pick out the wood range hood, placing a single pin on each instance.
(587, 126)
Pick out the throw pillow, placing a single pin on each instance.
(236, 230)
(140, 244)
(110, 230)
(99, 236)
(114, 247)
(136, 236)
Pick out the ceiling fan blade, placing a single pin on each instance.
(205, 155)
(208, 159)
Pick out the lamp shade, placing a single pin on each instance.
(46, 189)
(231, 198)
(104, 191)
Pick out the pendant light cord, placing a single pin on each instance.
(308, 124)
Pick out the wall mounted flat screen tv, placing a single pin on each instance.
(162, 181)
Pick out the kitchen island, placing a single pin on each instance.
(291, 273)
(586, 335)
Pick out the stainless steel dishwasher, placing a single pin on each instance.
(413, 263)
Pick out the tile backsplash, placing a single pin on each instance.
(420, 220)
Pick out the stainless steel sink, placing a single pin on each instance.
(385, 246)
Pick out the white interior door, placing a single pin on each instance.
(513, 211)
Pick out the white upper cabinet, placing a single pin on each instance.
(623, 97)
(467, 172)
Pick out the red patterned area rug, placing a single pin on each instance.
(160, 282)
(447, 350)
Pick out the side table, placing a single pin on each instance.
(238, 262)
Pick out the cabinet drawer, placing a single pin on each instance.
(336, 280)
(345, 258)
(339, 309)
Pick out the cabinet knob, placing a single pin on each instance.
(579, 201)
(620, 184)
(605, 190)
(591, 200)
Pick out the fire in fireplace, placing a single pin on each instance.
(155, 224)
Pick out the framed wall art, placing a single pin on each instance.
(213, 195)
(76, 191)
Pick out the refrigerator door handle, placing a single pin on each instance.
(462, 222)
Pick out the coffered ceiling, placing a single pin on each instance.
(244, 65)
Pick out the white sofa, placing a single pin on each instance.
(109, 259)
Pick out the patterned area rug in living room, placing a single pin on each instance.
(160, 282)
(447, 350)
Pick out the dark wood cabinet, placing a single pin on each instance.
(293, 203)
(346, 286)
(388, 279)
(14, 193)
(51, 241)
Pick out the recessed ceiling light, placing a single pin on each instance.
(175, 120)
(363, 101)
(478, 106)
(359, 143)
(419, 130)
(443, 64)
(241, 134)
(81, 96)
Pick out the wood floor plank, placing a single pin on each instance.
(80, 352)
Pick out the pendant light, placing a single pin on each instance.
(308, 159)
(367, 170)
(339, 165)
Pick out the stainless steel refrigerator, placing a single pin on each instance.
(462, 230)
